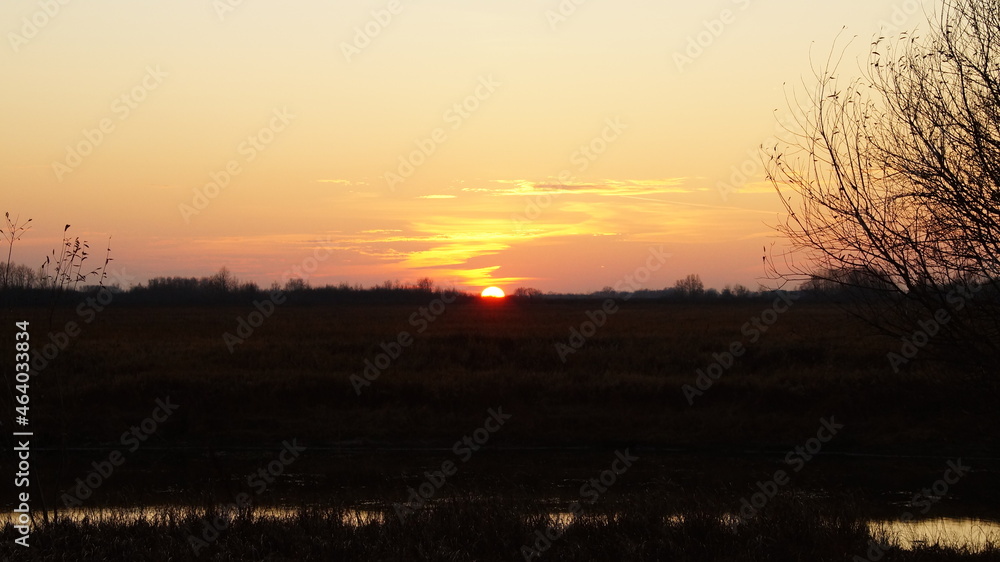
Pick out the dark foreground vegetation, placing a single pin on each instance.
(294, 377)
(646, 527)
(326, 375)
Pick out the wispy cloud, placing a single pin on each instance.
(603, 187)
(481, 276)
(342, 182)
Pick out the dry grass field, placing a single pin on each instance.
(369, 442)
(292, 377)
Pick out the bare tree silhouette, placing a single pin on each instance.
(892, 182)
(690, 287)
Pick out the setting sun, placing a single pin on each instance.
(493, 292)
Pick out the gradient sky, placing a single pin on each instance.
(202, 78)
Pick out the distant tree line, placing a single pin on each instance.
(19, 277)
(223, 287)
(690, 288)
(32, 286)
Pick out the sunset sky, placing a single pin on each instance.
(451, 144)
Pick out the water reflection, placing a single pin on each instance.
(974, 534)
(948, 532)
(168, 513)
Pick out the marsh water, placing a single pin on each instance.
(363, 482)
(974, 534)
